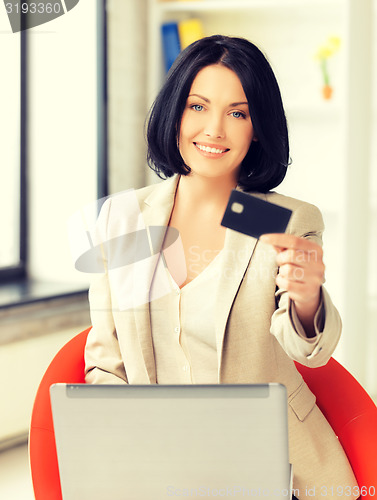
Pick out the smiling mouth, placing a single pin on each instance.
(207, 149)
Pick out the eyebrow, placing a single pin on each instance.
(207, 100)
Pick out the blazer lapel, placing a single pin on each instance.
(238, 250)
(156, 210)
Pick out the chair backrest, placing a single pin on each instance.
(353, 416)
(67, 367)
(346, 405)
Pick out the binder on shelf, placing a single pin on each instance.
(170, 43)
(190, 30)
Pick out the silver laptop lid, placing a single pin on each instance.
(147, 442)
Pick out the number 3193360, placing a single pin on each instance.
(33, 8)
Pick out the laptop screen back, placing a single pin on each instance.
(131, 442)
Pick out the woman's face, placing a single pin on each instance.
(216, 129)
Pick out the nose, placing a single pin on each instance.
(214, 126)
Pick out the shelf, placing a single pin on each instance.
(226, 5)
(315, 110)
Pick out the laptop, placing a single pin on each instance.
(152, 442)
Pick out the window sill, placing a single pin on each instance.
(31, 309)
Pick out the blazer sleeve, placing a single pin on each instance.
(306, 222)
(103, 359)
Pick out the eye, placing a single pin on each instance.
(197, 107)
(238, 114)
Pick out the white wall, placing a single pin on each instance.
(127, 79)
(23, 364)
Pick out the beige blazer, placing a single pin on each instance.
(256, 336)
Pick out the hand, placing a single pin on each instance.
(301, 273)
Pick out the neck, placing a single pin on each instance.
(198, 191)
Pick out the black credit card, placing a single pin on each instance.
(252, 216)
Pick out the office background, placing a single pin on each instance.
(76, 91)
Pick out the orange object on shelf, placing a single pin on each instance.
(327, 91)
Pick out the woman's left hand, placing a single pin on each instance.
(301, 273)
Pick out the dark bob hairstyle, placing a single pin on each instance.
(265, 164)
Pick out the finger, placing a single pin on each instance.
(299, 257)
(293, 287)
(299, 274)
(297, 290)
(292, 273)
(286, 284)
(284, 240)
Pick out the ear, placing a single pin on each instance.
(254, 139)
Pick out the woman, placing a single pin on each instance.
(234, 309)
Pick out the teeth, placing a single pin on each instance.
(210, 150)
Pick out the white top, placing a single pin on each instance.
(183, 329)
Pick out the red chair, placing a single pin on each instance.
(67, 367)
(346, 405)
(353, 416)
